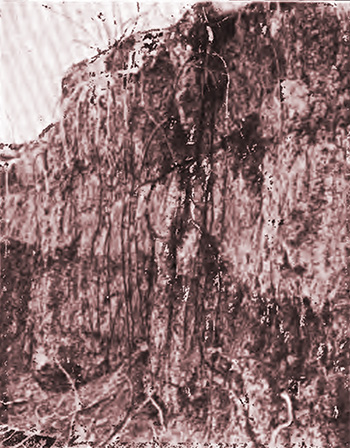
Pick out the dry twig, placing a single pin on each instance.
(78, 404)
(276, 431)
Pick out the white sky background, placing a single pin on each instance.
(38, 44)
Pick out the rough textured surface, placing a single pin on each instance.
(180, 237)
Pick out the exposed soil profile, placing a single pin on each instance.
(174, 257)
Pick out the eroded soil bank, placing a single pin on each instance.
(173, 259)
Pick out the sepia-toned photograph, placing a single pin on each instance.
(174, 225)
